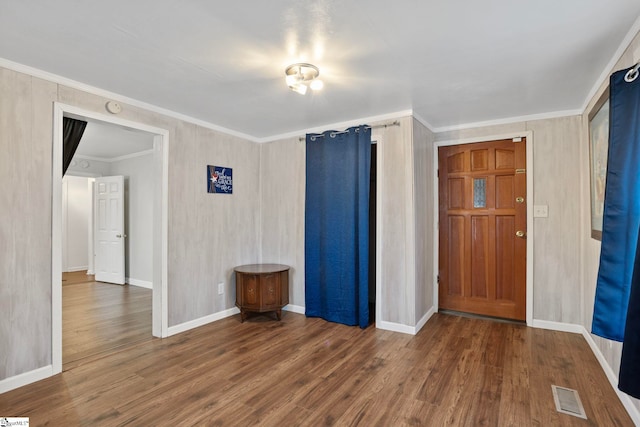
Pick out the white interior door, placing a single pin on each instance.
(109, 229)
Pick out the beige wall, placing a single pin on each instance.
(424, 187)
(611, 350)
(25, 222)
(282, 181)
(397, 219)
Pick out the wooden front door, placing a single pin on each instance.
(483, 218)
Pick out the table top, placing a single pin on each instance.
(261, 268)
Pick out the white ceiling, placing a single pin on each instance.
(103, 141)
(452, 62)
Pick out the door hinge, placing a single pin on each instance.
(438, 278)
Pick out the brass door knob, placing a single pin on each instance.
(521, 233)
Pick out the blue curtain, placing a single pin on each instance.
(337, 226)
(621, 210)
(629, 380)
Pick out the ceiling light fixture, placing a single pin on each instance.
(301, 75)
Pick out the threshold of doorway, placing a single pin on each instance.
(479, 316)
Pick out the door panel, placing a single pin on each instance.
(109, 229)
(479, 256)
(482, 191)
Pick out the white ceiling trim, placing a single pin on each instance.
(338, 126)
(508, 120)
(21, 68)
(608, 70)
(114, 159)
(424, 122)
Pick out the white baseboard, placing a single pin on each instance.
(294, 308)
(425, 319)
(140, 283)
(558, 326)
(182, 327)
(389, 326)
(74, 269)
(632, 410)
(405, 329)
(395, 327)
(20, 380)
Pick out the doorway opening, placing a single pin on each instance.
(372, 231)
(106, 242)
(158, 235)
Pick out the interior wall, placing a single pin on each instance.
(26, 123)
(76, 208)
(424, 185)
(611, 350)
(557, 238)
(138, 212)
(282, 182)
(397, 219)
(208, 234)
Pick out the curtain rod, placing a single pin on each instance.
(386, 125)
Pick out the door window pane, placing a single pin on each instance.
(480, 192)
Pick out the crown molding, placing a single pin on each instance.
(55, 78)
(338, 125)
(508, 120)
(608, 69)
(114, 159)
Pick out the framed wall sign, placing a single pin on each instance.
(598, 153)
(219, 180)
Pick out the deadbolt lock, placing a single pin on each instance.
(520, 199)
(521, 233)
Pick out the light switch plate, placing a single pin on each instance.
(540, 211)
(220, 288)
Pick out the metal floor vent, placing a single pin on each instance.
(568, 401)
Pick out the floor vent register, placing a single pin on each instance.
(568, 401)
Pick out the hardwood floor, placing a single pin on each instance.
(308, 372)
(98, 318)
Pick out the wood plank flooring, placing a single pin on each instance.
(98, 318)
(308, 372)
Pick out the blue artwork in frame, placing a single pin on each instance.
(219, 180)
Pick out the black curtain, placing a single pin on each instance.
(72, 131)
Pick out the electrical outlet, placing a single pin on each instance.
(220, 288)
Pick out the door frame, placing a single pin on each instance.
(530, 233)
(160, 316)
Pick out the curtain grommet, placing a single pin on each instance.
(631, 75)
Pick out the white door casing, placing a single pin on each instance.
(109, 229)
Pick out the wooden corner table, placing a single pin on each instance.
(261, 288)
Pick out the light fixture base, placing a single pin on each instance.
(301, 75)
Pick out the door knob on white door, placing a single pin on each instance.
(120, 235)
